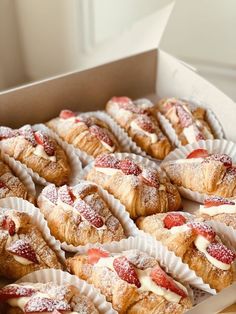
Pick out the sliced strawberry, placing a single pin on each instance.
(43, 304)
(217, 201)
(201, 228)
(121, 100)
(50, 192)
(101, 134)
(65, 195)
(2, 185)
(6, 132)
(15, 291)
(185, 117)
(88, 213)
(221, 253)
(198, 153)
(145, 123)
(94, 255)
(23, 249)
(8, 224)
(163, 280)
(129, 167)
(66, 114)
(225, 159)
(126, 271)
(28, 134)
(44, 140)
(173, 220)
(106, 161)
(150, 178)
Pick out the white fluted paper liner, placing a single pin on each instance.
(226, 233)
(63, 278)
(213, 147)
(20, 172)
(117, 209)
(36, 218)
(167, 259)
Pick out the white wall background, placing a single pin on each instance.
(44, 38)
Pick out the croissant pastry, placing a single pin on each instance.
(196, 243)
(29, 297)
(79, 215)
(37, 151)
(22, 246)
(132, 281)
(202, 172)
(10, 185)
(219, 209)
(143, 191)
(189, 121)
(91, 135)
(141, 124)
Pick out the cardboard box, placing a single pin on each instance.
(154, 73)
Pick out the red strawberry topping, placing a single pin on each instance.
(89, 213)
(41, 304)
(15, 291)
(150, 178)
(198, 153)
(217, 201)
(185, 117)
(23, 249)
(6, 132)
(221, 253)
(94, 255)
(129, 167)
(200, 228)
(66, 114)
(126, 271)
(107, 161)
(173, 220)
(44, 140)
(28, 134)
(162, 279)
(2, 185)
(102, 134)
(225, 159)
(50, 192)
(65, 195)
(121, 100)
(145, 123)
(8, 224)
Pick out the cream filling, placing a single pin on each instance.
(189, 160)
(190, 133)
(153, 137)
(22, 260)
(201, 244)
(108, 147)
(147, 284)
(215, 210)
(107, 171)
(39, 151)
(179, 229)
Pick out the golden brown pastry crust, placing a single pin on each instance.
(65, 222)
(79, 135)
(125, 298)
(182, 244)
(160, 148)
(46, 257)
(227, 219)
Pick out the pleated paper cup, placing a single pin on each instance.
(116, 208)
(167, 259)
(37, 219)
(226, 233)
(63, 278)
(20, 172)
(213, 147)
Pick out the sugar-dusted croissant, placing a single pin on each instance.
(91, 135)
(132, 281)
(141, 125)
(37, 151)
(10, 185)
(29, 297)
(188, 120)
(79, 215)
(202, 172)
(143, 191)
(22, 246)
(196, 243)
(219, 209)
